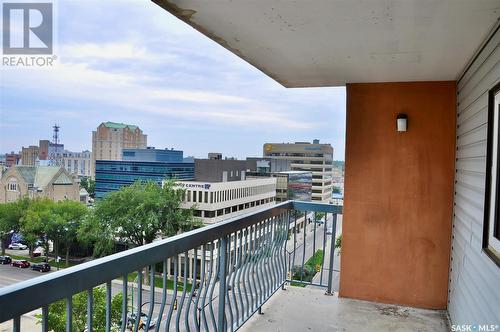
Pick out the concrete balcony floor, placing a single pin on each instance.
(308, 309)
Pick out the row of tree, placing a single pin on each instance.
(134, 215)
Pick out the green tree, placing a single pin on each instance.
(10, 217)
(319, 216)
(63, 228)
(35, 221)
(89, 185)
(57, 312)
(336, 190)
(137, 215)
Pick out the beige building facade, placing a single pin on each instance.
(52, 182)
(29, 155)
(304, 156)
(111, 138)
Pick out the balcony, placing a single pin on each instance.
(222, 276)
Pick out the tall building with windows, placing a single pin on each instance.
(77, 163)
(304, 156)
(141, 164)
(29, 155)
(110, 138)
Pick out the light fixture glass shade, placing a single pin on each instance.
(402, 122)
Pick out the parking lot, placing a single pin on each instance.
(10, 275)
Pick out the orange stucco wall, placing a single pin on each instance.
(398, 193)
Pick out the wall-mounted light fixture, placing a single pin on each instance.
(402, 122)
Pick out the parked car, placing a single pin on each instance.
(42, 267)
(18, 246)
(329, 231)
(22, 263)
(38, 252)
(5, 260)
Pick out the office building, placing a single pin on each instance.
(303, 156)
(153, 154)
(217, 201)
(53, 152)
(77, 163)
(51, 182)
(144, 165)
(29, 155)
(222, 170)
(111, 138)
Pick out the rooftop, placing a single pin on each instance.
(116, 125)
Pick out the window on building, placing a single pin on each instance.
(12, 185)
(491, 231)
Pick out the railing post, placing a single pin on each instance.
(329, 291)
(222, 284)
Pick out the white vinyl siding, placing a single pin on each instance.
(474, 289)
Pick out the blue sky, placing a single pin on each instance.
(132, 62)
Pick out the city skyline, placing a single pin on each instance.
(182, 89)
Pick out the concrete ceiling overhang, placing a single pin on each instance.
(312, 43)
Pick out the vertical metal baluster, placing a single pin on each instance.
(124, 303)
(283, 250)
(208, 281)
(233, 305)
(215, 278)
(241, 267)
(273, 263)
(174, 295)
(152, 269)
(163, 296)
(237, 268)
(139, 301)
(266, 267)
(229, 263)
(108, 306)
(274, 259)
(196, 309)
(222, 285)
(329, 290)
(243, 279)
(193, 286)
(304, 244)
(264, 272)
(254, 284)
(90, 310)
(325, 225)
(183, 295)
(16, 324)
(314, 234)
(286, 223)
(294, 243)
(69, 314)
(257, 269)
(45, 318)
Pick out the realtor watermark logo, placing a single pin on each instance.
(28, 34)
(475, 327)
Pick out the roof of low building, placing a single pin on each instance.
(41, 176)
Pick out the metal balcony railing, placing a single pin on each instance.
(210, 279)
